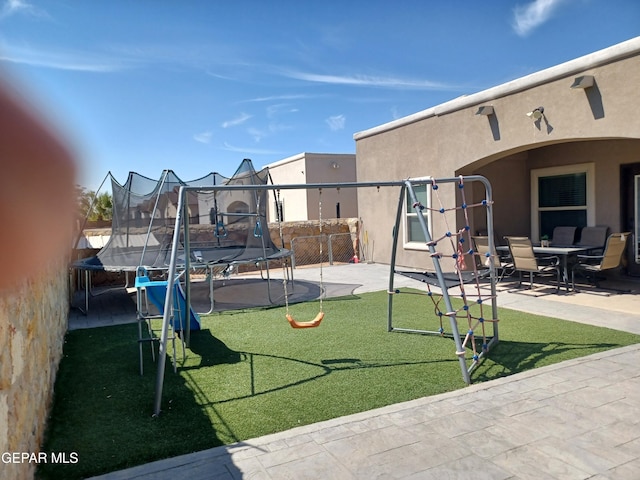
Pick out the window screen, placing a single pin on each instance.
(563, 190)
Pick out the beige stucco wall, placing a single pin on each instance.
(33, 322)
(332, 168)
(597, 125)
(306, 168)
(289, 171)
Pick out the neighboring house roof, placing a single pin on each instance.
(592, 60)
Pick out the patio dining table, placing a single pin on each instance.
(563, 252)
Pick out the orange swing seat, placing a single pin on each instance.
(313, 323)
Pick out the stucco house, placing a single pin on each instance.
(573, 128)
(304, 168)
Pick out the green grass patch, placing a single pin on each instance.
(249, 374)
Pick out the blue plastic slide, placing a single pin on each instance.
(156, 293)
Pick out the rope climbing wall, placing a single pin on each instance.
(465, 294)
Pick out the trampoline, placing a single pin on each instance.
(224, 228)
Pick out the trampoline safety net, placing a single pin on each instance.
(224, 226)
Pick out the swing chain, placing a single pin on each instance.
(320, 316)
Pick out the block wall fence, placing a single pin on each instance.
(33, 322)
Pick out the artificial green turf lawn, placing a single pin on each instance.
(249, 374)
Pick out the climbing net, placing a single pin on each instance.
(475, 309)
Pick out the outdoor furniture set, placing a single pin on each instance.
(563, 257)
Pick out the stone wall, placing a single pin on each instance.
(33, 322)
(291, 230)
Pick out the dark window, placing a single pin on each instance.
(563, 190)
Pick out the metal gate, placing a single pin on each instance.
(336, 248)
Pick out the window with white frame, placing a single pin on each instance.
(562, 196)
(413, 234)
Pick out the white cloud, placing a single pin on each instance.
(368, 81)
(257, 134)
(221, 77)
(275, 127)
(253, 151)
(240, 119)
(279, 97)
(272, 128)
(59, 60)
(336, 122)
(531, 16)
(204, 137)
(20, 7)
(278, 109)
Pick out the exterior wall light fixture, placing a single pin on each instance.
(485, 110)
(585, 81)
(536, 113)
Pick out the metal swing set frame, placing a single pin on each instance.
(406, 186)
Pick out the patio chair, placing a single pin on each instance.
(503, 264)
(524, 260)
(592, 265)
(563, 236)
(594, 237)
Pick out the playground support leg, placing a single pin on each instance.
(168, 310)
(392, 266)
(441, 281)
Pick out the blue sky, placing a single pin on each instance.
(196, 86)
